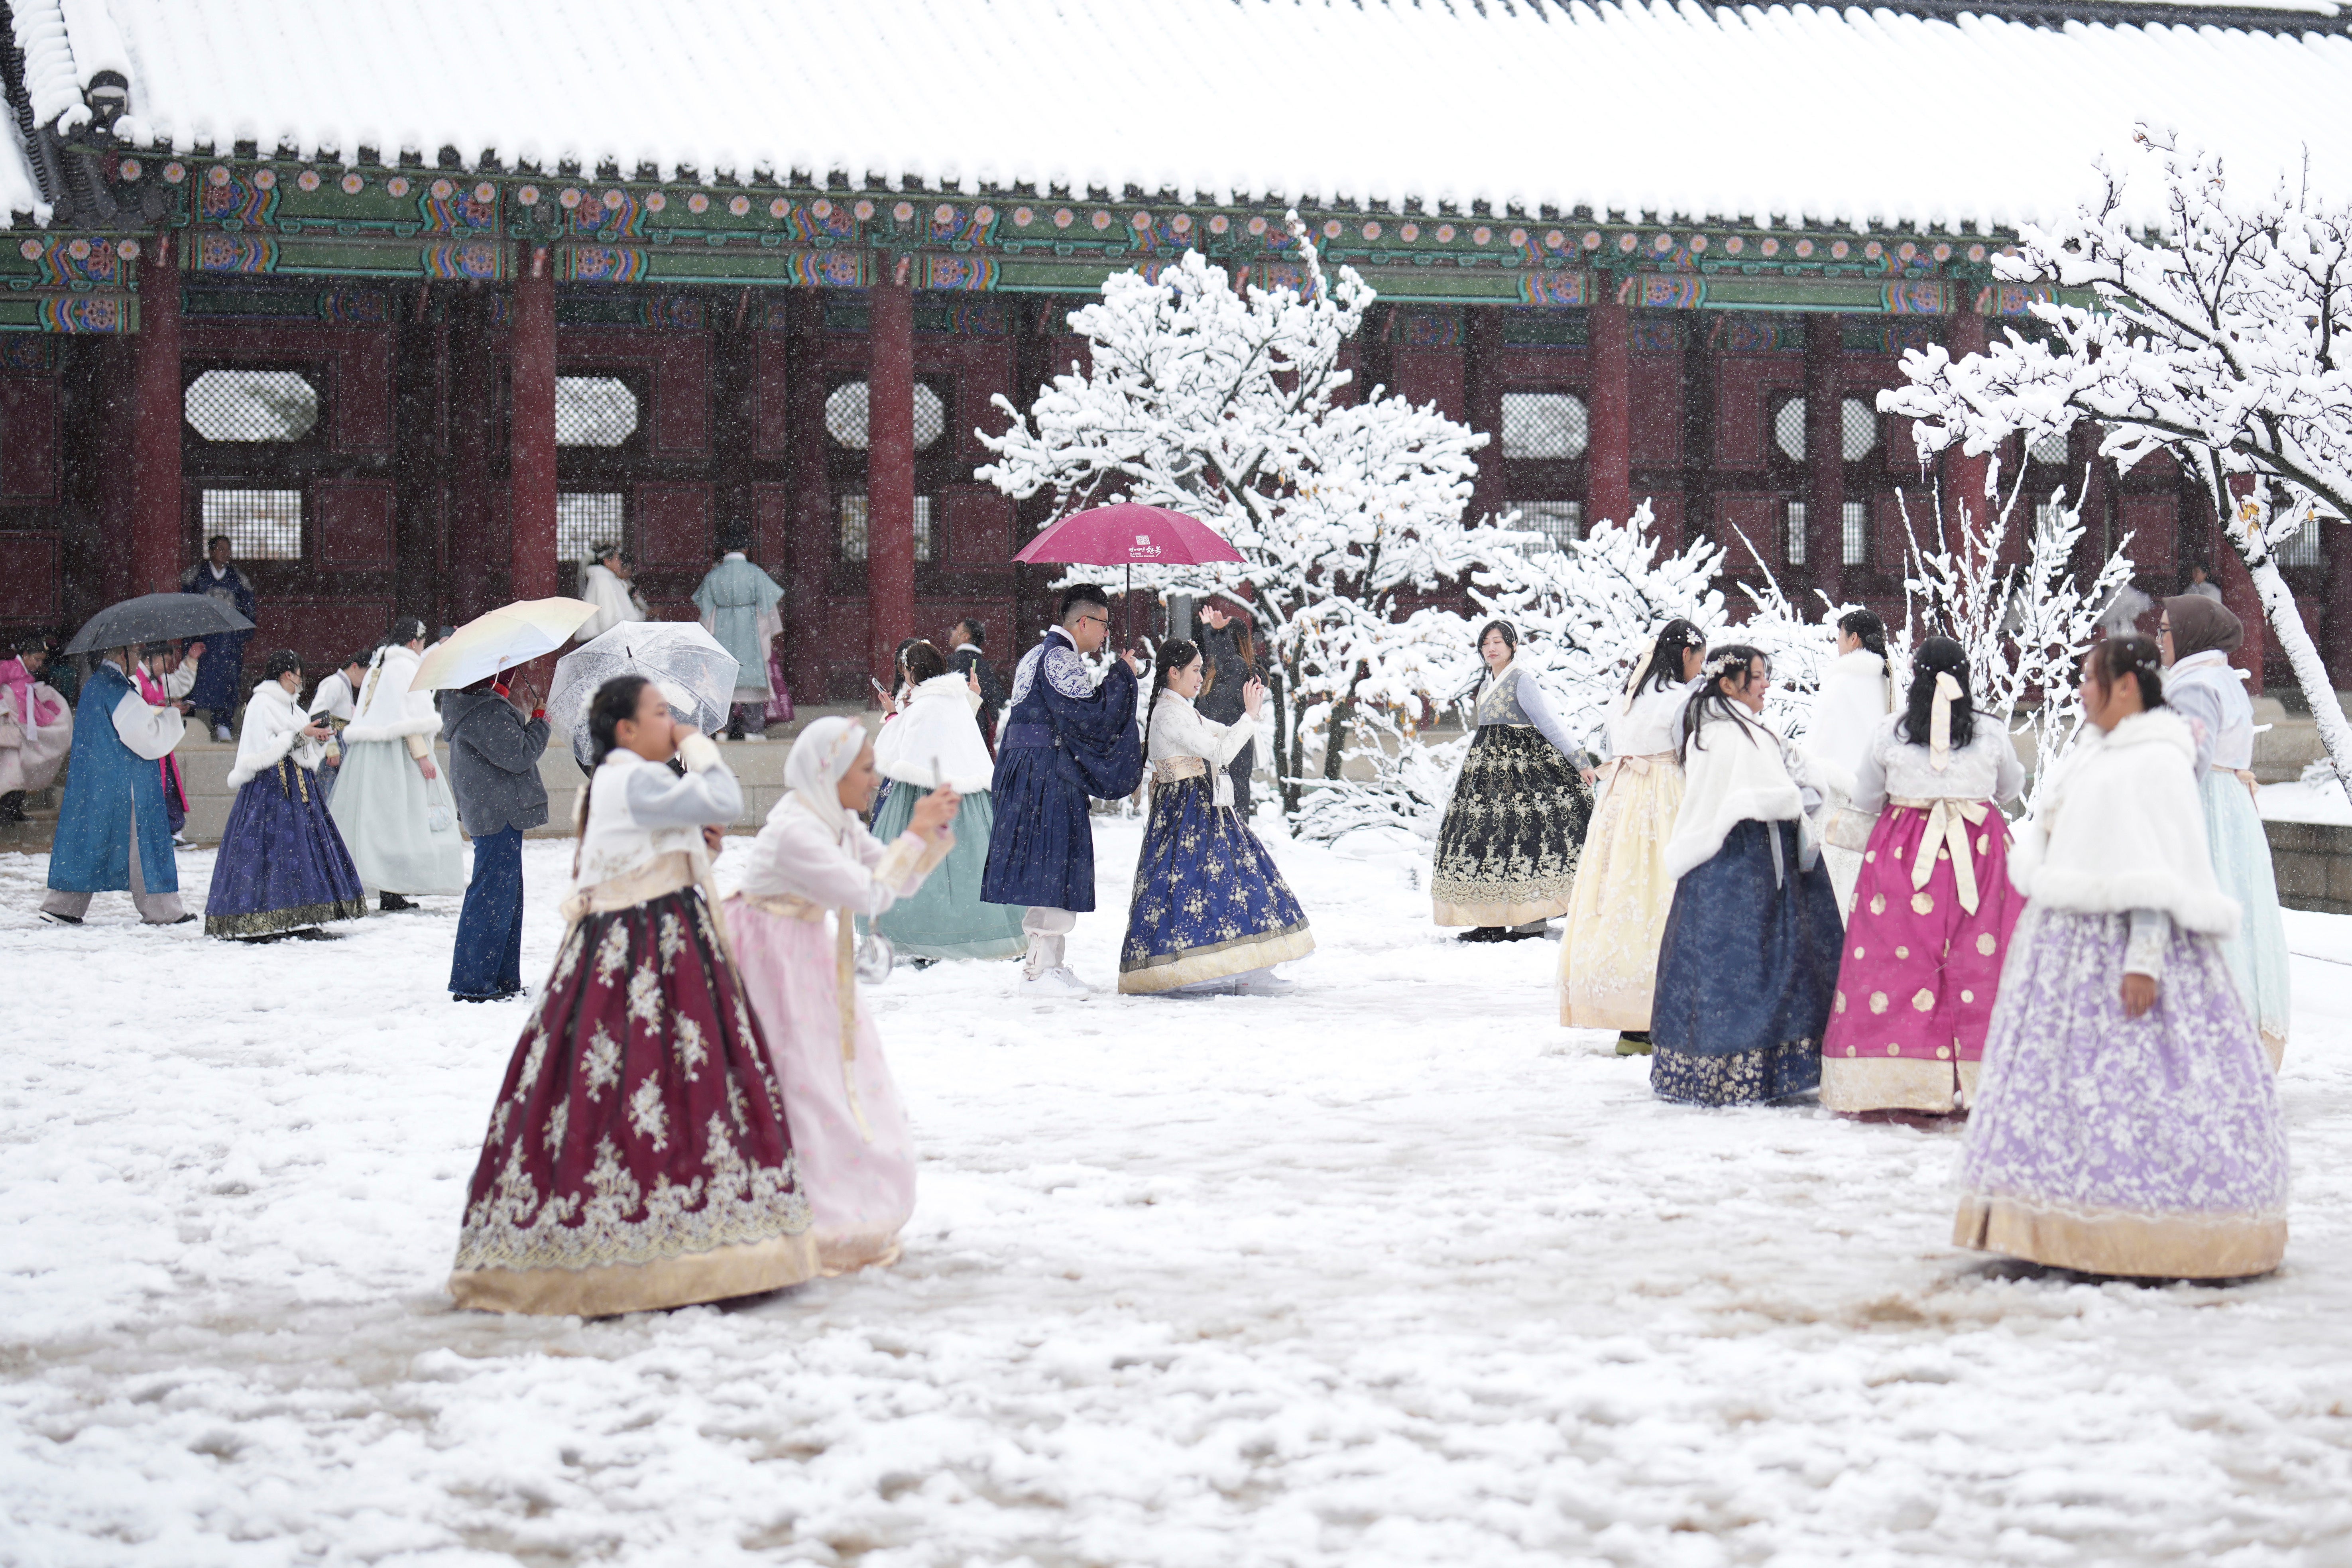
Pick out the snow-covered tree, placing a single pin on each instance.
(1801, 647)
(2221, 338)
(1582, 614)
(1225, 406)
(2026, 624)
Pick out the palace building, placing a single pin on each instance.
(414, 300)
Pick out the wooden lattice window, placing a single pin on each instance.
(261, 525)
(252, 405)
(595, 411)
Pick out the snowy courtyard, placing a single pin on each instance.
(1391, 1270)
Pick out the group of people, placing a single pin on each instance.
(698, 1105)
(2103, 994)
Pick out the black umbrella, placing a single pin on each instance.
(156, 617)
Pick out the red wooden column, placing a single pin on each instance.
(531, 457)
(158, 508)
(890, 468)
(1825, 456)
(1964, 476)
(1609, 455)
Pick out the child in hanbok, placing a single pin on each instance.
(2127, 1122)
(936, 732)
(1210, 911)
(1507, 846)
(1749, 960)
(35, 727)
(1933, 908)
(282, 867)
(638, 1155)
(1609, 948)
(2198, 637)
(813, 859)
(392, 806)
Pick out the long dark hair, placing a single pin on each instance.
(921, 661)
(1865, 624)
(614, 701)
(2112, 659)
(1726, 665)
(1934, 657)
(1664, 669)
(1174, 655)
(285, 661)
(1510, 640)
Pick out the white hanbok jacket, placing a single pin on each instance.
(617, 601)
(935, 728)
(1854, 700)
(1179, 731)
(1736, 772)
(273, 722)
(2121, 828)
(389, 711)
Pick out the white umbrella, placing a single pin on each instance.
(509, 636)
(687, 664)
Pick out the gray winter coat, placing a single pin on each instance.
(493, 763)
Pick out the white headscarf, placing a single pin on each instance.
(821, 758)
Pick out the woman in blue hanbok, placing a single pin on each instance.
(282, 865)
(934, 738)
(2197, 639)
(1210, 911)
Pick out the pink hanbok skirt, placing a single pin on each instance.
(1915, 984)
(860, 1177)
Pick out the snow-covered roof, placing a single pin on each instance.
(1924, 115)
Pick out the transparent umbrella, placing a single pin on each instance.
(686, 662)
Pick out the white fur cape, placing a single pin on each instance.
(274, 721)
(1853, 701)
(1733, 773)
(388, 709)
(935, 728)
(2121, 828)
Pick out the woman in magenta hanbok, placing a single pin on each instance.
(813, 859)
(1933, 908)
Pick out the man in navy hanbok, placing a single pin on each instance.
(1065, 741)
(220, 680)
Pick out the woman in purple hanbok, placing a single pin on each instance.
(2127, 1122)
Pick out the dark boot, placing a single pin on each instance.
(12, 806)
(393, 903)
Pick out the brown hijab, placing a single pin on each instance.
(2199, 623)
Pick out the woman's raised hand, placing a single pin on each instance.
(1254, 696)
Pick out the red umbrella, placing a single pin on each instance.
(1125, 533)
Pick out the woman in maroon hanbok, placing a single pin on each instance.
(638, 1155)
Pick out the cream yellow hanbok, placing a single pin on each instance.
(1617, 911)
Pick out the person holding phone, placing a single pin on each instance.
(1210, 911)
(639, 1156)
(282, 867)
(1065, 741)
(814, 872)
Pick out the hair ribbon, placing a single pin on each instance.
(1940, 722)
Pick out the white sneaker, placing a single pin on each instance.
(220, 733)
(1056, 982)
(1264, 986)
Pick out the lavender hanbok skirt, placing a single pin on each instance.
(2150, 1146)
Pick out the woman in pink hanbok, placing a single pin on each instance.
(1933, 908)
(814, 857)
(35, 727)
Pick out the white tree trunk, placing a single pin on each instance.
(2310, 670)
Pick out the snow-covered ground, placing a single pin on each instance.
(2296, 801)
(1394, 1270)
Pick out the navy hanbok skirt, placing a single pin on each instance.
(1747, 973)
(1209, 901)
(1041, 848)
(282, 865)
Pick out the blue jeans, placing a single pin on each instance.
(488, 959)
